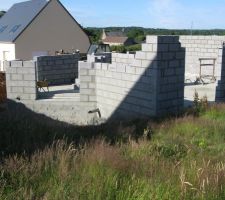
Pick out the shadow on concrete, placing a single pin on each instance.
(63, 90)
(168, 89)
(24, 131)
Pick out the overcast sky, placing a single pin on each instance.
(204, 14)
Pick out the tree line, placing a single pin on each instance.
(139, 33)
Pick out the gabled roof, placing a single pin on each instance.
(115, 39)
(18, 17)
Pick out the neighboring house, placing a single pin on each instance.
(39, 27)
(116, 38)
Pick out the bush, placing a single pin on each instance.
(124, 49)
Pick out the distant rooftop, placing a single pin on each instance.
(18, 17)
(115, 39)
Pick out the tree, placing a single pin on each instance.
(2, 13)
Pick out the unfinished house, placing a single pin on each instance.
(158, 80)
(39, 27)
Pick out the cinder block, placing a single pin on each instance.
(168, 39)
(151, 56)
(87, 91)
(140, 70)
(29, 90)
(29, 77)
(8, 77)
(25, 70)
(16, 63)
(120, 67)
(163, 47)
(16, 77)
(149, 63)
(112, 67)
(168, 56)
(108, 74)
(17, 90)
(91, 85)
(100, 73)
(147, 47)
(130, 69)
(15, 83)
(84, 98)
(151, 39)
(137, 63)
(92, 98)
(174, 63)
(98, 65)
(6, 64)
(29, 64)
(91, 72)
(104, 66)
(85, 79)
(83, 85)
(29, 83)
(140, 55)
(174, 47)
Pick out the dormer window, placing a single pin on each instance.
(14, 29)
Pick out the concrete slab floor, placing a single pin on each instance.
(61, 91)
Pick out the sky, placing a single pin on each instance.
(173, 14)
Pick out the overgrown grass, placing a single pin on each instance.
(182, 158)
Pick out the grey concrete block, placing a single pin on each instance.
(29, 77)
(16, 77)
(140, 55)
(87, 91)
(85, 79)
(29, 90)
(16, 63)
(84, 98)
(31, 64)
(147, 47)
(151, 39)
(130, 69)
(17, 90)
(92, 98)
(137, 63)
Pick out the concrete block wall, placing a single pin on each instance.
(21, 80)
(100, 57)
(201, 47)
(170, 74)
(62, 69)
(148, 83)
(87, 75)
(220, 89)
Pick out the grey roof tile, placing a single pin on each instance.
(18, 17)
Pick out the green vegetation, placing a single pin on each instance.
(124, 49)
(139, 33)
(94, 34)
(171, 159)
(2, 13)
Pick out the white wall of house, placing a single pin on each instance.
(7, 52)
(113, 44)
